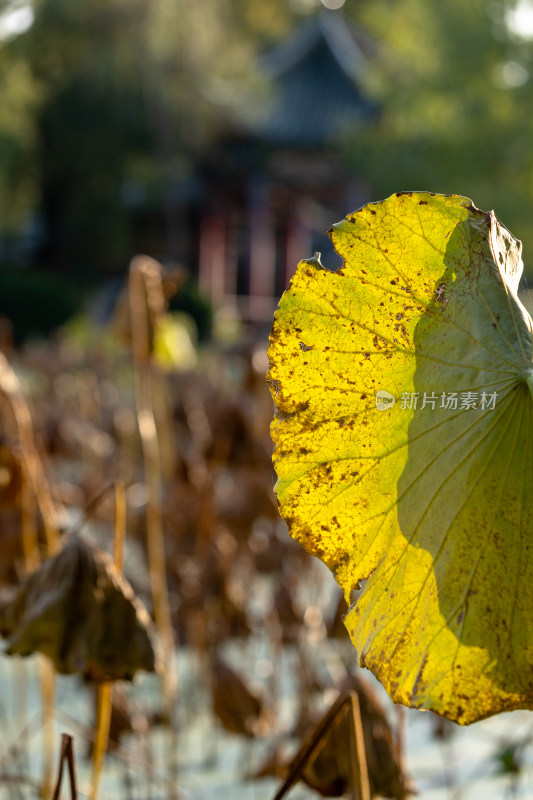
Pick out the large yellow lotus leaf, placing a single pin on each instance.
(404, 448)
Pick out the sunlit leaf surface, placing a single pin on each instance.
(403, 447)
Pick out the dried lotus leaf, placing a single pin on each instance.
(328, 772)
(78, 610)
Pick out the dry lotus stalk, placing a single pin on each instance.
(80, 611)
(147, 307)
(31, 459)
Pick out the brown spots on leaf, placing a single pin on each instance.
(420, 675)
(297, 408)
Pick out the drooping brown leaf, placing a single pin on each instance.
(329, 772)
(234, 704)
(80, 611)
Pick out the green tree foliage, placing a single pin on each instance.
(456, 97)
(105, 103)
(19, 97)
(92, 125)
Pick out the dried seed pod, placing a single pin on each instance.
(81, 612)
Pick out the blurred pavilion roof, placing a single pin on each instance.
(314, 86)
(274, 181)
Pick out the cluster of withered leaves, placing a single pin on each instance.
(232, 570)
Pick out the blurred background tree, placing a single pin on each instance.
(108, 105)
(454, 82)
